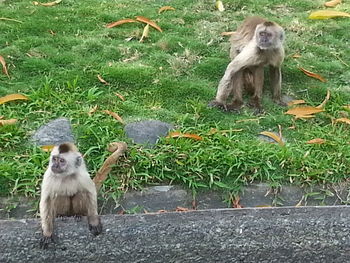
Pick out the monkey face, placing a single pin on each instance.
(59, 164)
(268, 37)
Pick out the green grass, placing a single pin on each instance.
(171, 76)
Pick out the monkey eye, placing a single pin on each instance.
(262, 33)
(62, 160)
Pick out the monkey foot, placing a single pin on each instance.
(77, 218)
(280, 102)
(256, 107)
(45, 241)
(234, 107)
(96, 230)
(216, 104)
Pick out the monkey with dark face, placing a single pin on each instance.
(255, 44)
(67, 190)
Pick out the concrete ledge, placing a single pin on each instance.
(286, 234)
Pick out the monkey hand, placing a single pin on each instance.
(45, 241)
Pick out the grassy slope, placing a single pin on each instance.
(170, 77)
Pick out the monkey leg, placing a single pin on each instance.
(236, 87)
(47, 222)
(276, 84)
(258, 80)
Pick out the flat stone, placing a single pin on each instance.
(147, 132)
(288, 234)
(257, 195)
(53, 133)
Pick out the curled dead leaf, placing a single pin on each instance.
(102, 80)
(316, 141)
(327, 14)
(120, 22)
(224, 34)
(93, 110)
(321, 106)
(184, 135)
(295, 102)
(313, 75)
(235, 202)
(296, 56)
(342, 120)
(120, 96)
(165, 8)
(47, 148)
(181, 209)
(148, 21)
(8, 122)
(220, 6)
(304, 111)
(145, 33)
(47, 4)
(4, 67)
(12, 97)
(332, 3)
(273, 136)
(114, 115)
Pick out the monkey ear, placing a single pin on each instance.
(78, 161)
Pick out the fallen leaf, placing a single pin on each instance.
(144, 33)
(304, 111)
(181, 209)
(313, 75)
(185, 135)
(346, 107)
(47, 4)
(194, 205)
(102, 80)
(7, 122)
(12, 97)
(296, 56)
(332, 3)
(161, 211)
(295, 102)
(224, 34)
(120, 22)
(273, 136)
(235, 202)
(10, 19)
(93, 110)
(220, 6)
(316, 141)
(51, 32)
(120, 96)
(47, 148)
(304, 117)
(165, 8)
(4, 68)
(326, 14)
(148, 21)
(114, 115)
(321, 106)
(343, 120)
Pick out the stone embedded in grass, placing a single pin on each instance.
(147, 132)
(55, 132)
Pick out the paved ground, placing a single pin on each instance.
(304, 234)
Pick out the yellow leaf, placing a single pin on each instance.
(296, 56)
(296, 102)
(313, 75)
(47, 148)
(120, 22)
(93, 110)
(332, 3)
(120, 96)
(326, 14)
(186, 135)
(145, 33)
(114, 115)
(346, 107)
(304, 111)
(343, 120)
(316, 141)
(47, 4)
(165, 8)
(227, 33)
(273, 136)
(148, 21)
(8, 122)
(102, 80)
(12, 97)
(321, 106)
(4, 68)
(220, 6)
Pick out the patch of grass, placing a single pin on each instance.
(55, 55)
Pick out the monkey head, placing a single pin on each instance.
(65, 159)
(269, 35)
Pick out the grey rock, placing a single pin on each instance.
(288, 234)
(53, 133)
(257, 195)
(147, 132)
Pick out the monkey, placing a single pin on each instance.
(256, 43)
(67, 190)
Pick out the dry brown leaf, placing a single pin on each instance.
(12, 97)
(120, 96)
(145, 33)
(93, 110)
(47, 4)
(114, 115)
(296, 56)
(304, 111)
(220, 6)
(194, 205)
(316, 141)
(313, 75)
(8, 122)
(235, 202)
(102, 80)
(273, 136)
(4, 68)
(161, 211)
(181, 209)
(102, 173)
(321, 106)
(326, 14)
(295, 102)
(120, 22)
(230, 33)
(332, 3)
(47, 148)
(51, 32)
(165, 8)
(304, 117)
(343, 120)
(184, 135)
(148, 21)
